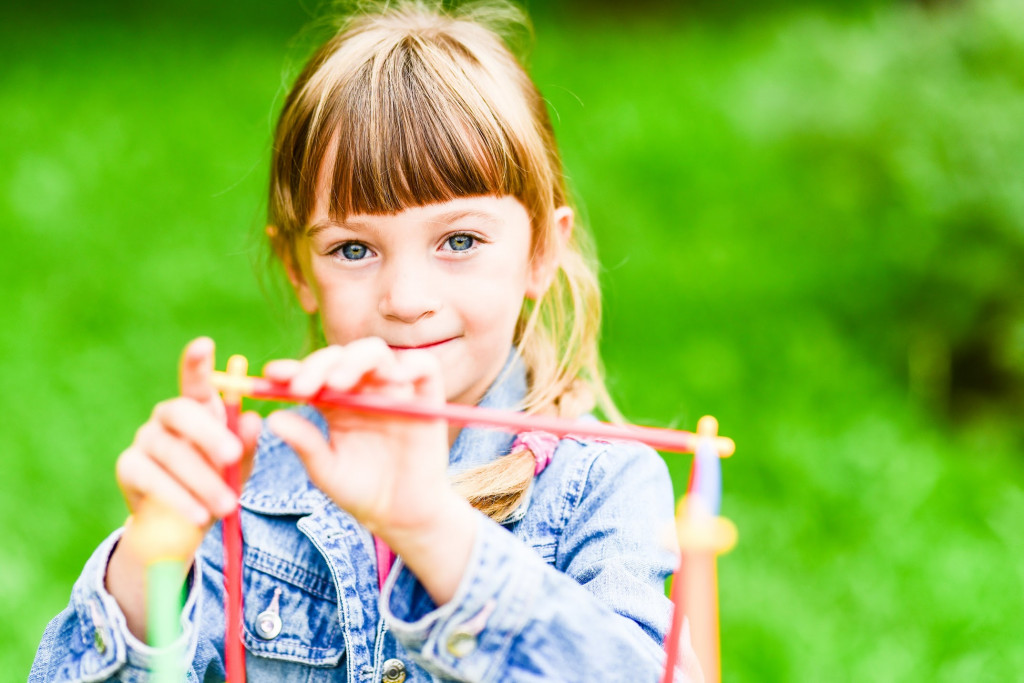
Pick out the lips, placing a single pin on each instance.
(428, 345)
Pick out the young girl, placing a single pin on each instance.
(418, 206)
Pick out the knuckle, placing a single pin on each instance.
(327, 352)
(423, 361)
(367, 347)
(159, 411)
(167, 409)
(147, 433)
(167, 405)
(377, 344)
(125, 467)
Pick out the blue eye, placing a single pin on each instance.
(460, 242)
(353, 251)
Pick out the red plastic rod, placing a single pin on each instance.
(234, 649)
(675, 441)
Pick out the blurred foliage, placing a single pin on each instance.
(811, 220)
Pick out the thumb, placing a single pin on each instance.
(305, 438)
(424, 370)
(196, 370)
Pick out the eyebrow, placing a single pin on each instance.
(446, 218)
(318, 227)
(453, 216)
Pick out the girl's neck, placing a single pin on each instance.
(453, 433)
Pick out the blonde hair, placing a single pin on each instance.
(420, 104)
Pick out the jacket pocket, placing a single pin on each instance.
(291, 613)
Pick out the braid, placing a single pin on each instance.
(498, 488)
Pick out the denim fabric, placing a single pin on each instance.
(570, 589)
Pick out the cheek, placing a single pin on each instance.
(494, 305)
(345, 315)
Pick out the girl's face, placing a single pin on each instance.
(449, 278)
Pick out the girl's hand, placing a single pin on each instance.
(179, 453)
(176, 460)
(386, 471)
(390, 473)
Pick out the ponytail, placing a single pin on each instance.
(498, 488)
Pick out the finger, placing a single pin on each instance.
(197, 370)
(365, 360)
(124, 472)
(140, 478)
(191, 469)
(188, 419)
(304, 438)
(423, 370)
(250, 424)
(281, 370)
(313, 370)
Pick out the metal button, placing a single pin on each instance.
(394, 671)
(99, 641)
(461, 643)
(268, 625)
(99, 623)
(268, 622)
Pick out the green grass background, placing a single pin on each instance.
(811, 223)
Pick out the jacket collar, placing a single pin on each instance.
(476, 446)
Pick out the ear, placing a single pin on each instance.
(293, 269)
(545, 263)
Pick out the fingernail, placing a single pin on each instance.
(273, 422)
(344, 382)
(302, 386)
(200, 517)
(230, 451)
(201, 347)
(227, 504)
(397, 374)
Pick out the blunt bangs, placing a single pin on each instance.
(412, 127)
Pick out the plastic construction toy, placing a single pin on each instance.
(165, 543)
(168, 540)
(703, 535)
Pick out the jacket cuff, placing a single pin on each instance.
(109, 645)
(469, 637)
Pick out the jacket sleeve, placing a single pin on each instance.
(598, 613)
(90, 640)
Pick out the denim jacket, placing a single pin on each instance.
(570, 588)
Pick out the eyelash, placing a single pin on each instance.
(474, 241)
(338, 251)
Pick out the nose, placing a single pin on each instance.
(409, 293)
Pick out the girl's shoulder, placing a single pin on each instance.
(593, 458)
(586, 471)
(596, 492)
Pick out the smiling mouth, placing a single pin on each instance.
(430, 345)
